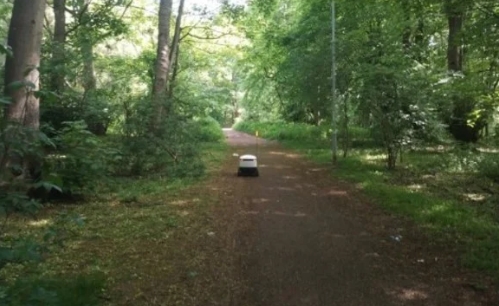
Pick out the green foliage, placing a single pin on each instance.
(207, 130)
(142, 210)
(489, 167)
(80, 162)
(94, 109)
(82, 290)
(302, 132)
(20, 156)
(92, 90)
(390, 69)
(285, 131)
(172, 149)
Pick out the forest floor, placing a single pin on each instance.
(294, 236)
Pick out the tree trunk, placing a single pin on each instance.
(97, 126)
(392, 157)
(463, 104)
(413, 32)
(174, 75)
(454, 47)
(89, 81)
(419, 38)
(25, 38)
(455, 11)
(162, 66)
(407, 31)
(175, 49)
(346, 124)
(176, 36)
(58, 46)
(87, 51)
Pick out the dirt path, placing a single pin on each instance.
(298, 238)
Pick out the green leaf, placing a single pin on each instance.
(16, 85)
(6, 254)
(45, 94)
(5, 101)
(47, 186)
(7, 50)
(56, 179)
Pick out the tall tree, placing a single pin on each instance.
(162, 66)
(463, 102)
(25, 38)
(455, 11)
(58, 46)
(87, 49)
(175, 49)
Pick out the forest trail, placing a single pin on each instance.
(296, 237)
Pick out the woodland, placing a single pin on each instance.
(109, 103)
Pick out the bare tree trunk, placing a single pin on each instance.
(454, 48)
(162, 67)
(346, 125)
(392, 157)
(176, 36)
(175, 49)
(407, 32)
(413, 33)
(174, 75)
(58, 47)
(87, 51)
(25, 38)
(419, 38)
(89, 80)
(463, 105)
(455, 15)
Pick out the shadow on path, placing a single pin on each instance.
(297, 240)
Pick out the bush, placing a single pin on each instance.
(83, 290)
(489, 167)
(172, 149)
(206, 130)
(94, 110)
(285, 131)
(80, 161)
(21, 154)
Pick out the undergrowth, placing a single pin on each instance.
(126, 237)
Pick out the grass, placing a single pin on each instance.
(440, 191)
(82, 290)
(137, 232)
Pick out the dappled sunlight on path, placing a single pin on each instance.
(298, 238)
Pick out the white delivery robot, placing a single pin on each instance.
(248, 166)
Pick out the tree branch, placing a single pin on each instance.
(79, 16)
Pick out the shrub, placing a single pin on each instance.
(285, 131)
(172, 149)
(489, 167)
(83, 290)
(21, 155)
(80, 161)
(206, 130)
